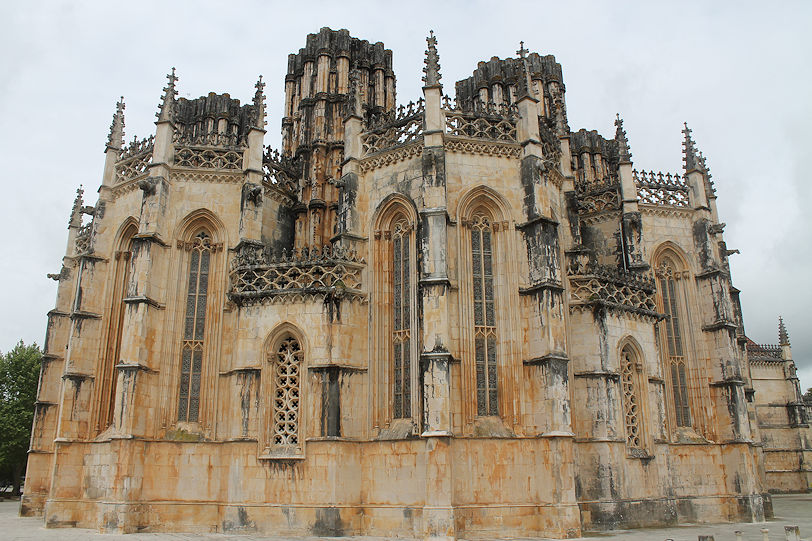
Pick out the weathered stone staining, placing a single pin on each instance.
(442, 319)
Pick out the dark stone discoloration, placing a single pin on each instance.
(433, 164)
(328, 523)
(347, 215)
(532, 168)
(241, 522)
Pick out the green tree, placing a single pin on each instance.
(19, 373)
(808, 396)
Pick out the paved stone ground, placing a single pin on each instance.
(789, 509)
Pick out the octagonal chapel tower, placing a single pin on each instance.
(428, 320)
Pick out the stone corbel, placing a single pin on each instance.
(149, 185)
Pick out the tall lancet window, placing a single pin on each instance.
(287, 362)
(631, 399)
(484, 316)
(401, 322)
(121, 276)
(670, 290)
(194, 329)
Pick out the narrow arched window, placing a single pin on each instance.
(670, 291)
(286, 361)
(121, 278)
(631, 399)
(401, 322)
(484, 316)
(194, 328)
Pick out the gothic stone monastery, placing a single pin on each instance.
(453, 318)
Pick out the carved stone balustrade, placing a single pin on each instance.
(83, 239)
(281, 173)
(134, 159)
(259, 275)
(597, 286)
(395, 128)
(494, 122)
(658, 189)
(598, 196)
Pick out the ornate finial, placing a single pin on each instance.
(259, 104)
(622, 143)
(693, 159)
(783, 337)
(432, 61)
(689, 151)
(524, 83)
(115, 140)
(76, 211)
(522, 52)
(167, 107)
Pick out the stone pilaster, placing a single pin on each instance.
(144, 295)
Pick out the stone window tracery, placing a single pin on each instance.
(286, 363)
(194, 328)
(484, 316)
(631, 399)
(670, 291)
(401, 321)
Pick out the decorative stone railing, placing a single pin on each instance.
(658, 189)
(484, 121)
(208, 158)
(212, 139)
(393, 130)
(764, 351)
(134, 159)
(550, 144)
(83, 239)
(281, 172)
(259, 275)
(395, 115)
(598, 195)
(592, 285)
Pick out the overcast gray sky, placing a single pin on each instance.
(738, 72)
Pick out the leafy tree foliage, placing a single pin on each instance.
(19, 373)
(808, 396)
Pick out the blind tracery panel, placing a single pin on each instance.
(484, 316)
(401, 319)
(287, 362)
(670, 290)
(631, 401)
(194, 328)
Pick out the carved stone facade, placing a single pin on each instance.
(451, 318)
(781, 415)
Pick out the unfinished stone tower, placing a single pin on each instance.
(447, 318)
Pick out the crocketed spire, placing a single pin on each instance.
(432, 61)
(622, 142)
(115, 140)
(259, 104)
(76, 211)
(167, 107)
(693, 159)
(783, 336)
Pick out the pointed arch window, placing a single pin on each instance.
(401, 321)
(121, 278)
(631, 398)
(484, 316)
(194, 328)
(670, 292)
(286, 361)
